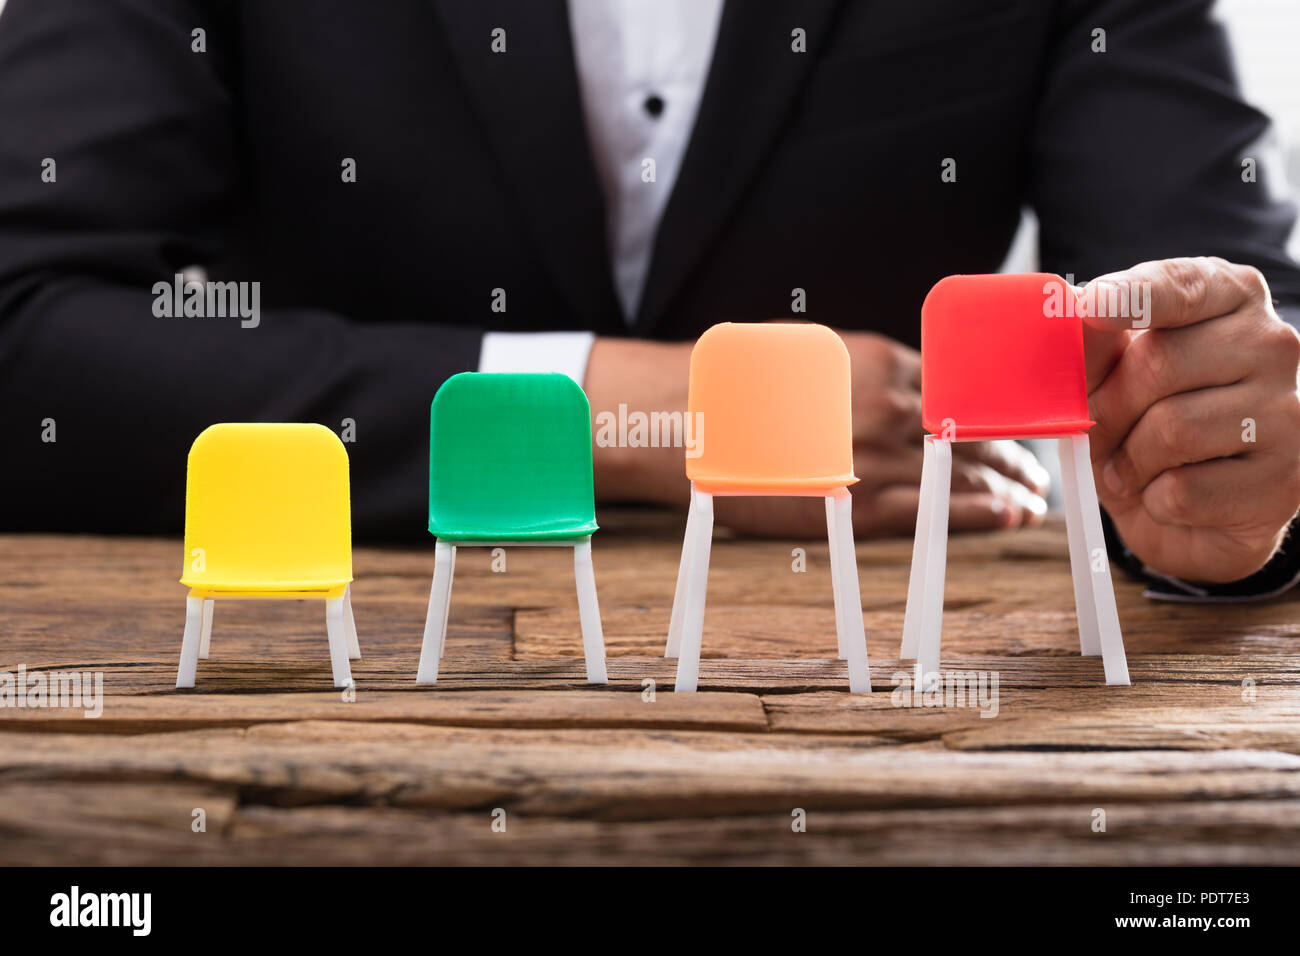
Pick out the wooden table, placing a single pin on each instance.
(1191, 764)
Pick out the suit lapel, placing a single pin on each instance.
(529, 103)
(752, 84)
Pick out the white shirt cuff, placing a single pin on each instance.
(565, 352)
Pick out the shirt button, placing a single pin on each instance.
(654, 104)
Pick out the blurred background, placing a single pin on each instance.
(1266, 34)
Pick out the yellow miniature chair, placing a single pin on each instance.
(267, 515)
(774, 402)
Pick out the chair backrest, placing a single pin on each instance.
(774, 404)
(510, 455)
(268, 505)
(1002, 356)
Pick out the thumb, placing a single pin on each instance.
(1101, 349)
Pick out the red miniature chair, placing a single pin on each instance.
(1002, 357)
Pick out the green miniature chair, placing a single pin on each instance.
(510, 464)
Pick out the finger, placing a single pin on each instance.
(1169, 293)
(879, 469)
(886, 389)
(1101, 353)
(880, 359)
(1182, 430)
(978, 512)
(889, 417)
(983, 499)
(909, 369)
(893, 511)
(1026, 506)
(1231, 494)
(1009, 458)
(1159, 364)
(889, 510)
(877, 360)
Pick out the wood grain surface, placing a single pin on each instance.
(1197, 763)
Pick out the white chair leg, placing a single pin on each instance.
(350, 625)
(697, 585)
(190, 642)
(1113, 659)
(205, 638)
(936, 563)
(338, 641)
(435, 622)
(916, 583)
(446, 610)
(1085, 606)
(848, 599)
(679, 595)
(833, 551)
(593, 638)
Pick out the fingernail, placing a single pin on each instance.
(1002, 511)
(1095, 298)
(1040, 476)
(1110, 475)
(1029, 502)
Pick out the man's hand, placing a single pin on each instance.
(1196, 451)
(994, 484)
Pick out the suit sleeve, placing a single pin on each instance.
(1141, 153)
(120, 166)
(1138, 151)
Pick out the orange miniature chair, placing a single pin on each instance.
(267, 515)
(773, 400)
(1002, 357)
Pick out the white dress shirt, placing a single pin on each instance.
(641, 68)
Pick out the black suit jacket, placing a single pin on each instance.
(818, 170)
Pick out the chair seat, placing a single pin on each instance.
(562, 529)
(814, 487)
(1043, 429)
(233, 587)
